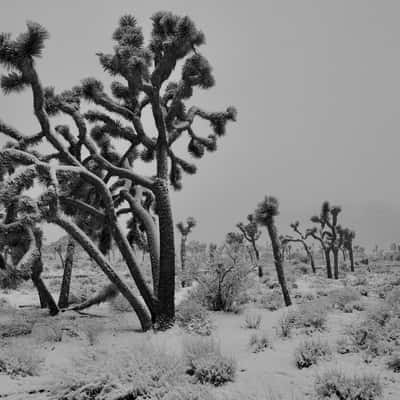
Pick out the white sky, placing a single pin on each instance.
(316, 84)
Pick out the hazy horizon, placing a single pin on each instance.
(317, 91)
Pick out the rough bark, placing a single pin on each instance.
(63, 299)
(336, 263)
(328, 263)
(166, 289)
(273, 234)
(351, 256)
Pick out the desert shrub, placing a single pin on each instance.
(189, 392)
(46, 333)
(224, 278)
(311, 316)
(285, 325)
(272, 300)
(335, 384)
(193, 318)
(393, 362)
(340, 297)
(252, 320)
(310, 352)
(141, 371)
(360, 280)
(206, 363)
(392, 299)
(20, 359)
(119, 304)
(260, 341)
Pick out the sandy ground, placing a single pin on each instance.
(270, 371)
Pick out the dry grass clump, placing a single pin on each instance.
(20, 359)
(310, 351)
(193, 318)
(260, 341)
(336, 384)
(252, 320)
(206, 363)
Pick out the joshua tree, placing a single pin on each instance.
(252, 233)
(301, 238)
(23, 239)
(67, 264)
(185, 230)
(348, 237)
(91, 175)
(265, 214)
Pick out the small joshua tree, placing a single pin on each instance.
(265, 214)
(185, 230)
(347, 241)
(84, 174)
(67, 264)
(252, 233)
(300, 238)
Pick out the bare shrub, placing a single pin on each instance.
(285, 325)
(272, 300)
(340, 297)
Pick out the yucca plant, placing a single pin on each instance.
(85, 176)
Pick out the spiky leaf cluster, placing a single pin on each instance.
(267, 210)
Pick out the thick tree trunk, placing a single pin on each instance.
(63, 299)
(328, 264)
(351, 256)
(166, 289)
(273, 234)
(257, 254)
(336, 263)
(102, 262)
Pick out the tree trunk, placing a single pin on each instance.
(183, 259)
(166, 289)
(257, 254)
(336, 263)
(273, 234)
(80, 236)
(328, 263)
(351, 256)
(63, 299)
(46, 299)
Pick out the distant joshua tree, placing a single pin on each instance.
(265, 214)
(348, 237)
(252, 233)
(84, 174)
(185, 230)
(328, 235)
(300, 238)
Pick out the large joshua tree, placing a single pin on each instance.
(347, 237)
(85, 172)
(185, 229)
(252, 233)
(265, 214)
(302, 239)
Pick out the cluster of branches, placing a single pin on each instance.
(86, 183)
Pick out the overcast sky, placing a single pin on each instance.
(316, 85)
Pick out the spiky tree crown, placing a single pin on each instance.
(186, 229)
(267, 210)
(250, 229)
